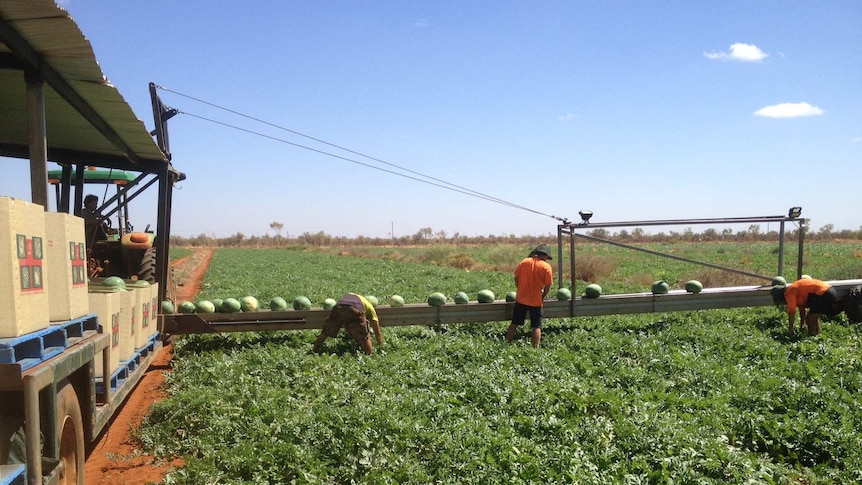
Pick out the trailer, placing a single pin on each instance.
(65, 368)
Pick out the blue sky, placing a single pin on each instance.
(634, 110)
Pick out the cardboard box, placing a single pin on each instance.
(107, 305)
(144, 301)
(150, 327)
(128, 310)
(23, 268)
(67, 256)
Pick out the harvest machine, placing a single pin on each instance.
(619, 304)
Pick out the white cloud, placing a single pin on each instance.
(739, 52)
(858, 139)
(566, 117)
(789, 110)
(422, 23)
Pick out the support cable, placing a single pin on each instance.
(430, 180)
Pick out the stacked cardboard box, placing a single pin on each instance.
(107, 304)
(67, 257)
(150, 327)
(144, 293)
(23, 268)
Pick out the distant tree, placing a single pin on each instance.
(277, 227)
(599, 233)
(754, 231)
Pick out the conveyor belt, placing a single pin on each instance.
(422, 314)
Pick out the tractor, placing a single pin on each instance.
(113, 250)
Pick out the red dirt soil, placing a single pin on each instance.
(115, 457)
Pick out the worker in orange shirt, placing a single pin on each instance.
(533, 279)
(815, 296)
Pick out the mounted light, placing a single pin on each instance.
(794, 212)
(585, 216)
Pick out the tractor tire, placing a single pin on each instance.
(147, 272)
(70, 435)
(147, 269)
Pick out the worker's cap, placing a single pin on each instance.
(541, 249)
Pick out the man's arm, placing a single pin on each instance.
(375, 324)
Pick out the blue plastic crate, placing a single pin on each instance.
(13, 474)
(117, 379)
(79, 328)
(133, 363)
(147, 348)
(33, 348)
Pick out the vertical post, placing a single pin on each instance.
(38, 139)
(106, 374)
(32, 431)
(572, 253)
(64, 189)
(79, 190)
(802, 224)
(560, 256)
(781, 249)
(163, 233)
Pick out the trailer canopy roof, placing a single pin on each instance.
(87, 120)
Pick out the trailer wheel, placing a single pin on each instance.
(70, 435)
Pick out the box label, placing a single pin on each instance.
(30, 258)
(115, 330)
(77, 254)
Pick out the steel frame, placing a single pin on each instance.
(570, 230)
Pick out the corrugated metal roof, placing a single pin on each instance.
(85, 115)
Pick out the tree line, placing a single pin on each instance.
(427, 236)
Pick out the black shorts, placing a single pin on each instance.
(822, 304)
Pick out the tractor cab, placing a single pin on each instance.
(114, 248)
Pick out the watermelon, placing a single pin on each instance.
(114, 282)
(511, 295)
(461, 298)
(249, 304)
(217, 304)
(693, 286)
(186, 307)
(564, 294)
(592, 291)
(230, 305)
(373, 300)
(167, 307)
(204, 306)
(660, 287)
(436, 299)
(278, 304)
(396, 300)
(779, 281)
(301, 303)
(485, 296)
(329, 303)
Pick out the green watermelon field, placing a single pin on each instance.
(715, 396)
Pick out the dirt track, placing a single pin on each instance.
(115, 458)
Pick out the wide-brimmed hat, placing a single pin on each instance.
(542, 249)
